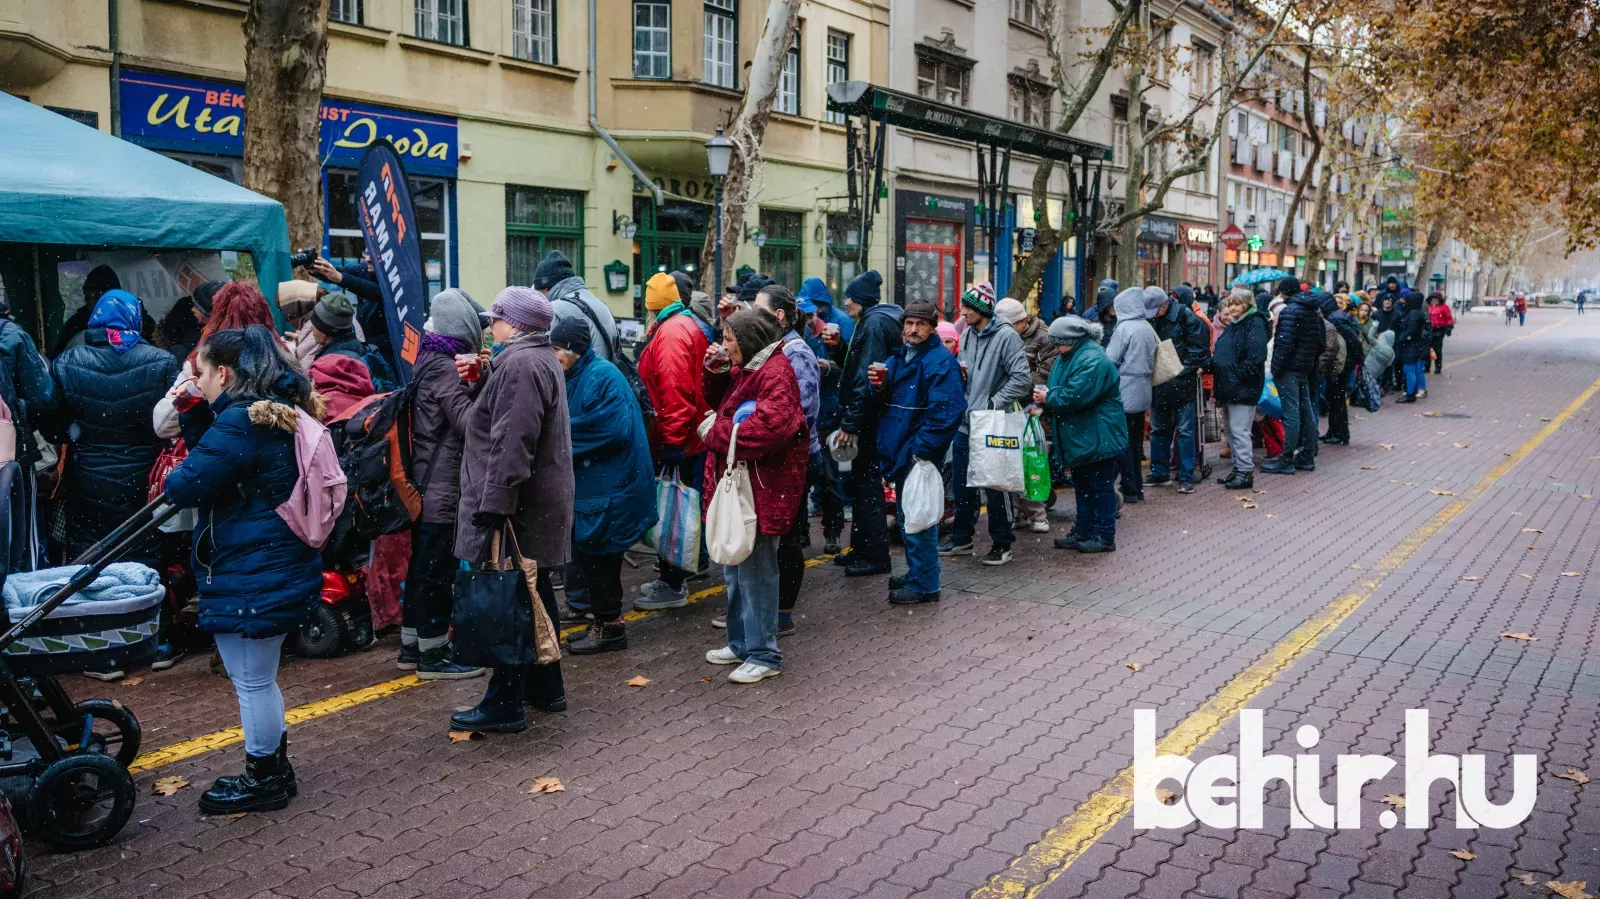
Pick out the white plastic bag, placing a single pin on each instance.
(995, 450)
(922, 500)
(731, 517)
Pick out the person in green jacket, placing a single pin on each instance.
(1087, 429)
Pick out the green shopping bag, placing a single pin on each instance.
(1035, 462)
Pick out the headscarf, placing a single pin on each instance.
(120, 314)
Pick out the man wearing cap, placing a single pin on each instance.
(997, 376)
(877, 334)
(1041, 353)
(815, 301)
(1172, 406)
(333, 328)
(571, 298)
(922, 403)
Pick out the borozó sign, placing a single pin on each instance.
(1229, 791)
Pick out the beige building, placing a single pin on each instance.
(503, 126)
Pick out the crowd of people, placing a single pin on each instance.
(536, 432)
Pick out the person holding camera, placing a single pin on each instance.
(361, 282)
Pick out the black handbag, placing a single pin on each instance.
(493, 617)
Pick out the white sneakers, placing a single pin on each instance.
(723, 656)
(746, 673)
(1041, 526)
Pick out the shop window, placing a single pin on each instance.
(942, 81)
(533, 30)
(844, 253)
(444, 21)
(781, 254)
(652, 40)
(721, 42)
(788, 100)
(430, 202)
(537, 222)
(347, 11)
(838, 66)
(1029, 103)
(934, 255)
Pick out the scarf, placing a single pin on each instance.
(118, 312)
(444, 344)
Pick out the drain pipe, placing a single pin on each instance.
(114, 42)
(594, 121)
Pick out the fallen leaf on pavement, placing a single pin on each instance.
(1532, 531)
(1432, 414)
(1424, 444)
(465, 736)
(1369, 468)
(236, 816)
(1166, 797)
(1585, 496)
(638, 680)
(1396, 801)
(1576, 776)
(1531, 546)
(1442, 492)
(1528, 637)
(1258, 491)
(1571, 574)
(166, 786)
(1544, 419)
(1524, 878)
(132, 681)
(1463, 854)
(547, 785)
(1528, 576)
(1572, 889)
(1459, 445)
(1409, 484)
(1134, 666)
(1270, 515)
(1472, 577)
(705, 680)
(1250, 506)
(1387, 446)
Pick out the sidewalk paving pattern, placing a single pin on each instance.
(922, 752)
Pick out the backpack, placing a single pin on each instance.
(630, 372)
(373, 440)
(318, 497)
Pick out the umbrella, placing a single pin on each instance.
(1260, 275)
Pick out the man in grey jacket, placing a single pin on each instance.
(571, 298)
(996, 368)
(1133, 349)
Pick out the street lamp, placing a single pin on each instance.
(719, 152)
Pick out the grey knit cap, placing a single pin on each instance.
(454, 313)
(1069, 328)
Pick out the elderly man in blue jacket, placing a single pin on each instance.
(922, 403)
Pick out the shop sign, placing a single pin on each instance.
(1026, 238)
(1156, 228)
(703, 190)
(1232, 237)
(208, 116)
(1200, 235)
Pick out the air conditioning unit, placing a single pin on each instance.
(1285, 163)
(1264, 158)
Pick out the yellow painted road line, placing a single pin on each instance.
(1047, 859)
(1500, 346)
(311, 711)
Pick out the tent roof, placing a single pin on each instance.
(62, 182)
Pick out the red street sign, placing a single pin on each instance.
(1232, 237)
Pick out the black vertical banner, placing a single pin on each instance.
(390, 228)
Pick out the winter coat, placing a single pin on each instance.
(1329, 360)
(1414, 337)
(922, 405)
(1440, 317)
(517, 458)
(569, 297)
(613, 481)
(1349, 329)
(809, 379)
(877, 335)
(1299, 340)
(1133, 351)
(105, 401)
(1040, 351)
(1084, 400)
(671, 366)
(1381, 356)
(828, 411)
(25, 385)
(997, 368)
(1191, 337)
(254, 576)
(816, 291)
(439, 408)
(1239, 365)
(772, 442)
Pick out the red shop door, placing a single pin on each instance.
(933, 264)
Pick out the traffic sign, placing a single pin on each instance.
(1232, 237)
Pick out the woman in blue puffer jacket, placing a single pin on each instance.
(257, 580)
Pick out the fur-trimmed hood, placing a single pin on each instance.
(274, 414)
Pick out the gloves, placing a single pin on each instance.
(489, 521)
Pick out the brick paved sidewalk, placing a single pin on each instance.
(918, 752)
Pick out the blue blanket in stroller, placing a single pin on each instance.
(119, 582)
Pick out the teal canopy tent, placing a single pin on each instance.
(66, 183)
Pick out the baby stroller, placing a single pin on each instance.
(71, 782)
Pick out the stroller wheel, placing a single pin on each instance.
(81, 801)
(115, 733)
(324, 635)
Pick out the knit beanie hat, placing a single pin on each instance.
(1010, 311)
(980, 298)
(947, 331)
(753, 285)
(661, 291)
(685, 285)
(334, 316)
(1184, 294)
(523, 308)
(572, 335)
(865, 288)
(1288, 286)
(1154, 299)
(1068, 328)
(923, 309)
(453, 313)
(205, 293)
(554, 268)
(754, 329)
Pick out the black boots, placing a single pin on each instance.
(1240, 480)
(266, 785)
(602, 636)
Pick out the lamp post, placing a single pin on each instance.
(719, 151)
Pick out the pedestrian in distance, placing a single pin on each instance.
(922, 402)
(1238, 369)
(1521, 303)
(1090, 430)
(1441, 323)
(1173, 414)
(1297, 346)
(516, 482)
(1133, 350)
(1041, 353)
(257, 579)
(750, 383)
(877, 334)
(1413, 346)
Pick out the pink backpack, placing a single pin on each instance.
(319, 491)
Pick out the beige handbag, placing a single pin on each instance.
(546, 639)
(1168, 365)
(731, 516)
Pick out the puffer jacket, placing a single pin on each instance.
(1381, 356)
(1414, 337)
(254, 576)
(922, 405)
(439, 410)
(613, 483)
(1239, 364)
(997, 367)
(877, 335)
(1040, 351)
(808, 376)
(1084, 402)
(1133, 350)
(772, 441)
(106, 402)
(671, 365)
(1191, 337)
(1299, 340)
(25, 385)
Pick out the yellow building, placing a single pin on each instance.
(503, 126)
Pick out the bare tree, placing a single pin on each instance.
(749, 128)
(285, 65)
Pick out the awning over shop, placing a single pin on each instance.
(66, 183)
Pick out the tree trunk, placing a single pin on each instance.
(1435, 239)
(1133, 184)
(1047, 239)
(285, 65)
(1310, 119)
(748, 131)
(1318, 232)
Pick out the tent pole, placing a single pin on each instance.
(114, 42)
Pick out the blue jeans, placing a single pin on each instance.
(967, 504)
(253, 667)
(1164, 421)
(753, 605)
(1299, 416)
(922, 554)
(1416, 376)
(1094, 485)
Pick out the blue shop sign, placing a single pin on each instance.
(183, 114)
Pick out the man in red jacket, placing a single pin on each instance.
(672, 367)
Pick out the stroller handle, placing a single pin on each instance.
(107, 550)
